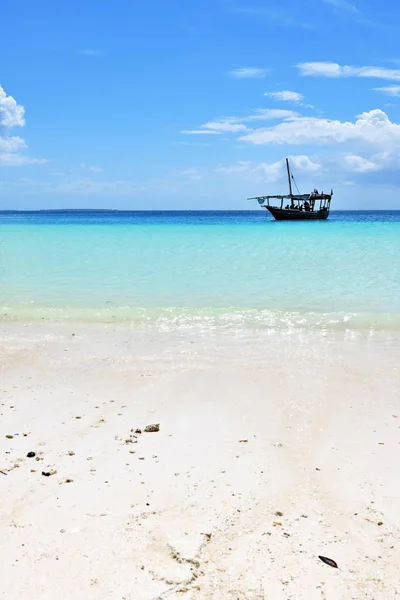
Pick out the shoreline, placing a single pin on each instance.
(268, 456)
(251, 320)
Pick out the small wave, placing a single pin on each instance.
(209, 318)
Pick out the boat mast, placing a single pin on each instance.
(290, 183)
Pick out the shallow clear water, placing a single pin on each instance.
(220, 267)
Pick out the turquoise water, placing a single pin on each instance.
(228, 267)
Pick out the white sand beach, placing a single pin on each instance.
(272, 450)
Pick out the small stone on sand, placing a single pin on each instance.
(152, 428)
(48, 473)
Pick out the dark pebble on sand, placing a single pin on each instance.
(48, 473)
(31, 454)
(328, 561)
(152, 428)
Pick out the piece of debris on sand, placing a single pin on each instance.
(152, 428)
(328, 561)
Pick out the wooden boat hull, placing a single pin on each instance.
(285, 214)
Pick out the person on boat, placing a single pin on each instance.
(287, 207)
(300, 207)
(306, 205)
(292, 206)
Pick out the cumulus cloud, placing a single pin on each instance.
(327, 168)
(373, 127)
(12, 115)
(11, 144)
(304, 163)
(248, 73)
(331, 69)
(286, 96)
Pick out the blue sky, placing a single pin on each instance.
(187, 104)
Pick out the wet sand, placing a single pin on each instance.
(269, 454)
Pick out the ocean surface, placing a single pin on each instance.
(219, 269)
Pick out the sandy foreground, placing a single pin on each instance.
(270, 453)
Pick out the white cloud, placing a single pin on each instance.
(267, 172)
(373, 127)
(343, 5)
(331, 69)
(10, 159)
(200, 132)
(359, 164)
(332, 168)
(235, 124)
(11, 113)
(324, 69)
(225, 125)
(262, 114)
(286, 96)
(305, 164)
(270, 172)
(248, 73)
(390, 90)
(11, 144)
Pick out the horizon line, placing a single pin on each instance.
(130, 210)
